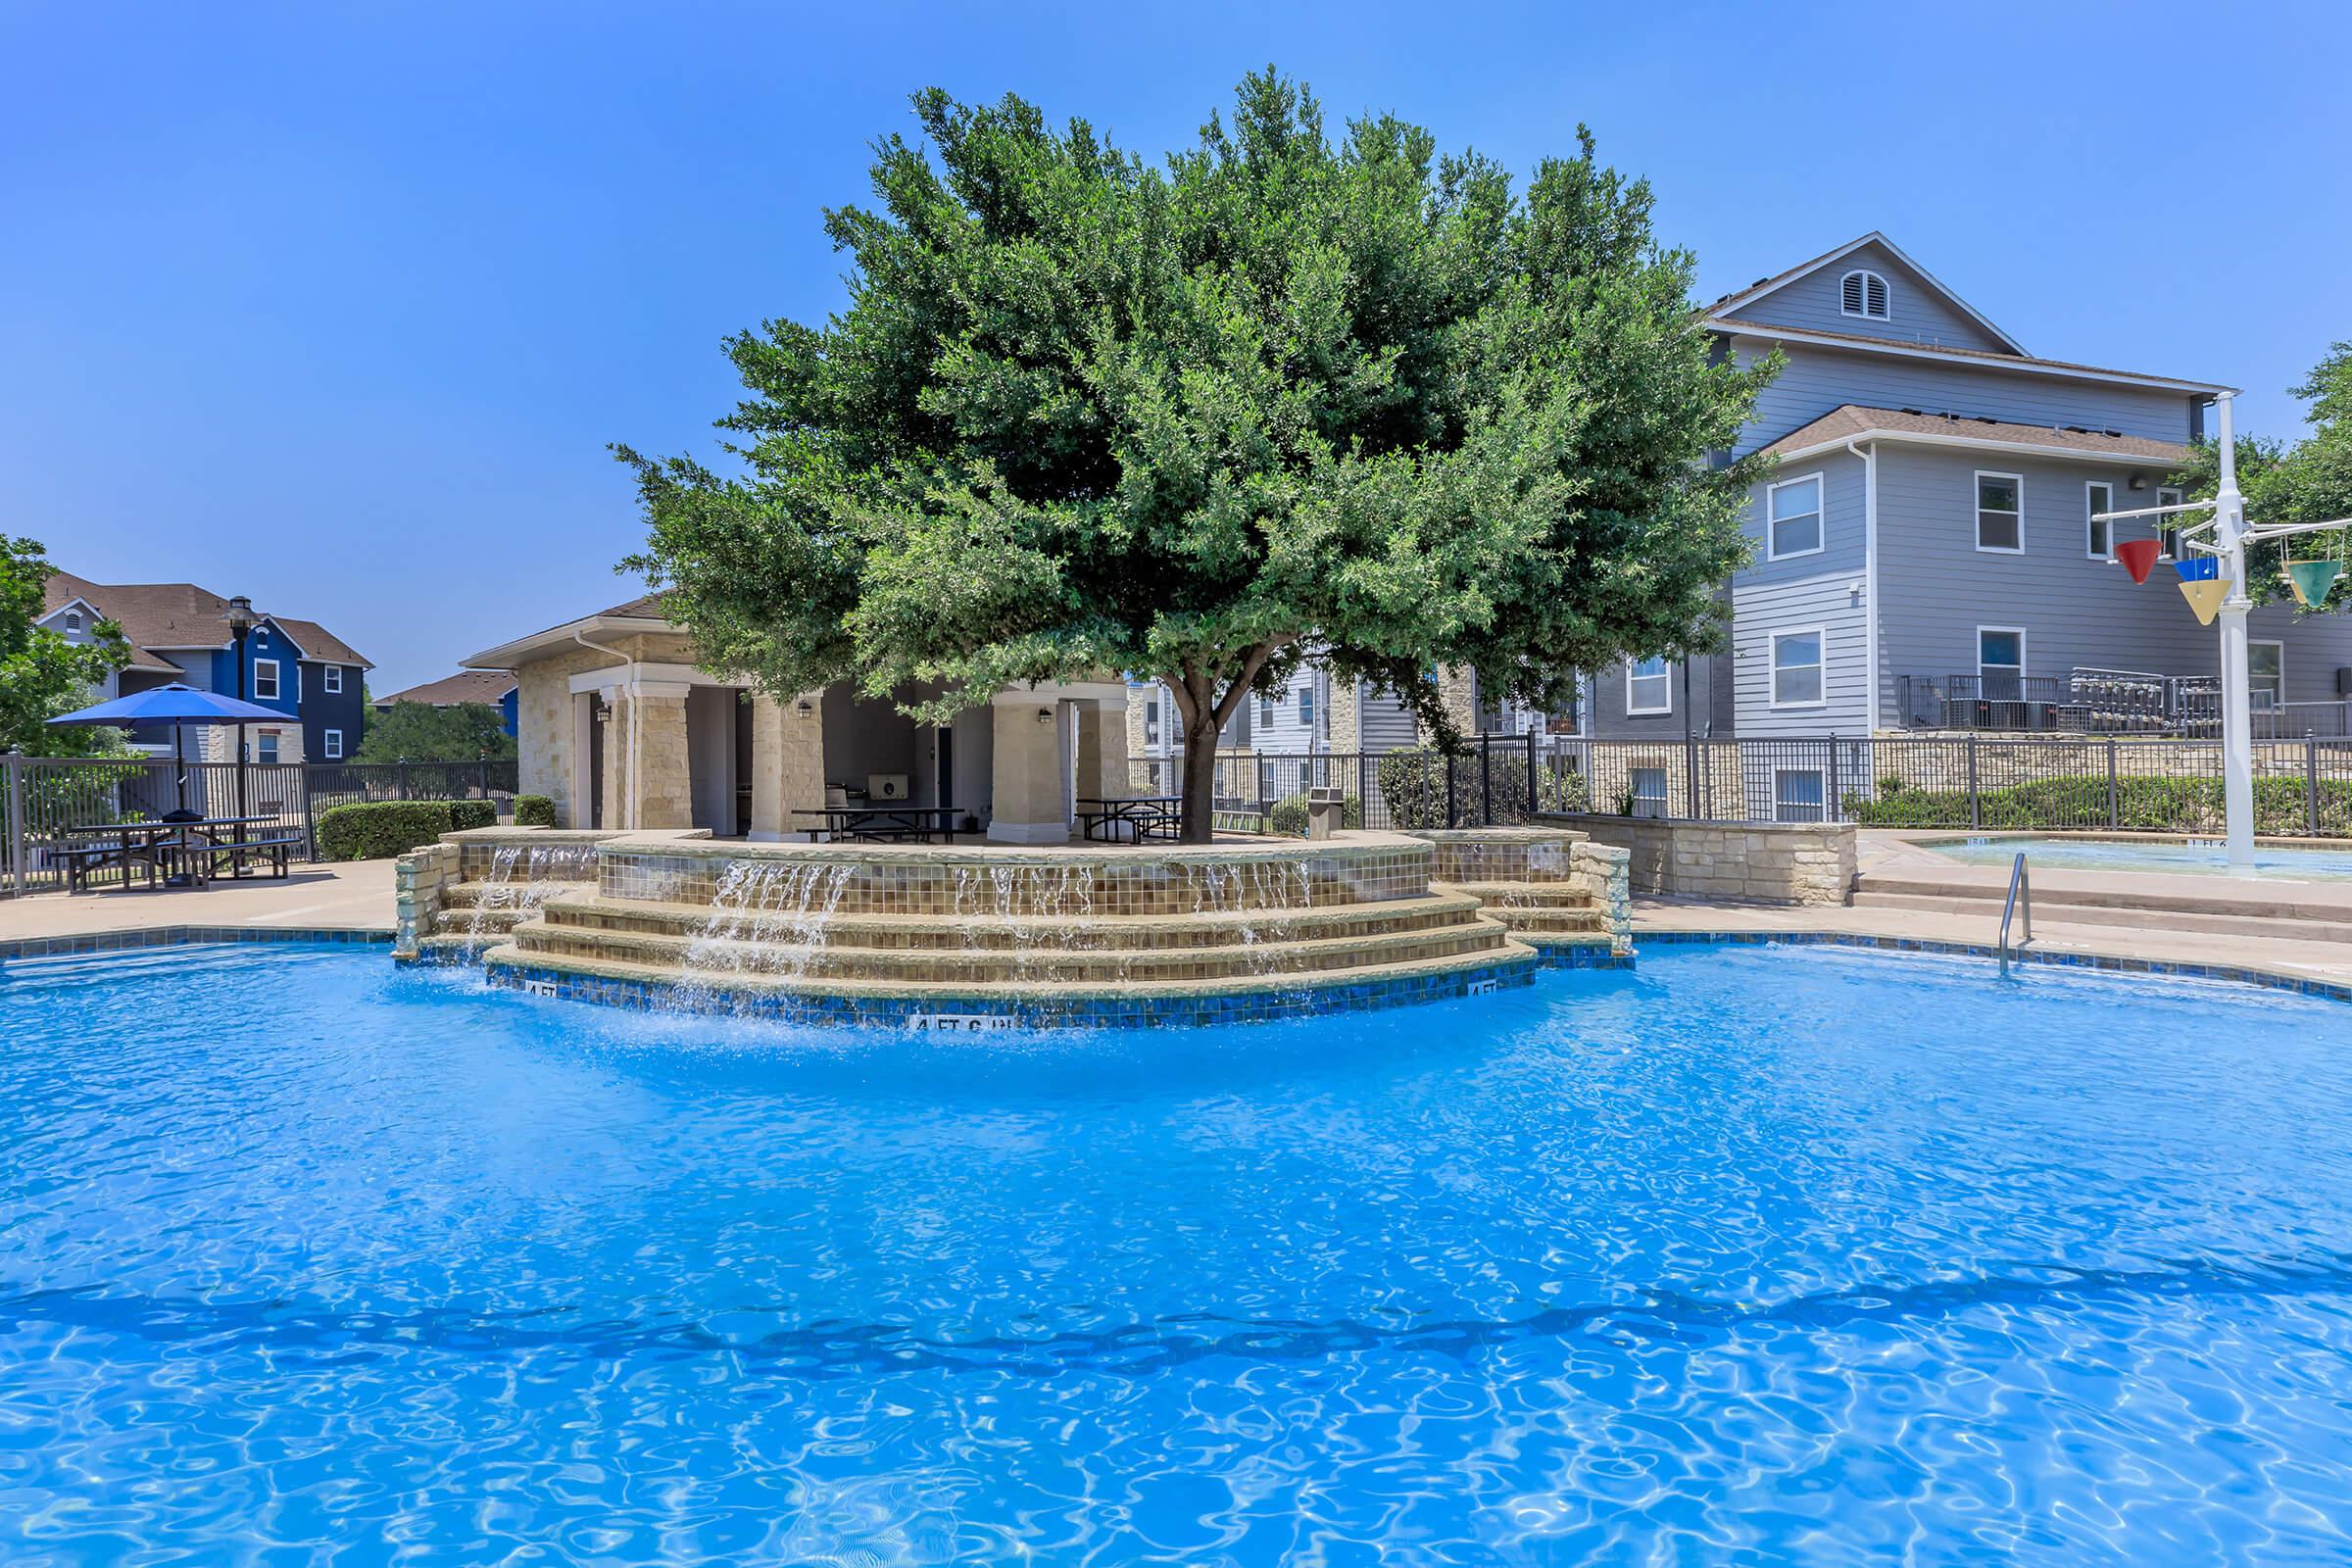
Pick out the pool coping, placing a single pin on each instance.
(130, 938)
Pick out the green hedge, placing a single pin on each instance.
(535, 810)
(375, 829)
(1412, 785)
(2147, 804)
(463, 815)
(1290, 813)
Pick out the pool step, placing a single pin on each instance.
(2251, 912)
(1529, 908)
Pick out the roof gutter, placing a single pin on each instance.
(1870, 583)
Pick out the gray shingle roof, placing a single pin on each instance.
(1851, 419)
(180, 615)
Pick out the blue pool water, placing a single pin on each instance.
(2109, 855)
(1753, 1255)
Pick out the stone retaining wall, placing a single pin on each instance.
(1754, 862)
(418, 878)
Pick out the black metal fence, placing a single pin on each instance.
(2302, 787)
(47, 797)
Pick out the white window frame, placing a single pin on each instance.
(1820, 776)
(1664, 676)
(2019, 632)
(2168, 529)
(2089, 509)
(1886, 310)
(1977, 509)
(1820, 518)
(2279, 643)
(330, 745)
(268, 738)
(73, 622)
(1772, 662)
(276, 685)
(332, 680)
(1664, 797)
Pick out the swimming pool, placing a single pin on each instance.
(1759, 1254)
(2112, 855)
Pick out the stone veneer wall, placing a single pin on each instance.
(419, 880)
(1604, 872)
(1759, 862)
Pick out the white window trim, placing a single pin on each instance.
(1771, 665)
(278, 684)
(1977, 509)
(1820, 776)
(2279, 643)
(2168, 528)
(1821, 516)
(1885, 295)
(332, 680)
(1630, 711)
(2019, 632)
(268, 738)
(2089, 507)
(330, 745)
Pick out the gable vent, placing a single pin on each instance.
(1863, 293)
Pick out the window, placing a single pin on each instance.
(73, 622)
(1796, 795)
(1793, 509)
(2099, 540)
(2168, 532)
(333, 680)
(330, 742)
(2001, 663)
(1649, 790)
(1265, 711)
(1796, 676)
(1647, 688)
(264, 748)
(2266, 672)
(264, 680)
(1306, 707)
(2000, 512)
(1862, 293)
(1151, 722)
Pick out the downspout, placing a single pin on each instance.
(1875, 709)
(635, 681)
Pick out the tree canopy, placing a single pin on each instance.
(1274, 399)
(420, 732)
(43, 675)
(2308, 481)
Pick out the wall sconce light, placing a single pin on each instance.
(1045, 715)
(2139, 482)
(804, 708)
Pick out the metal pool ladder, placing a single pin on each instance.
(2019, 901)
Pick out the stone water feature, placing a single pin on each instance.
(1553, 888)
(985, 937)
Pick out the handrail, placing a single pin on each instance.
(2019, 883)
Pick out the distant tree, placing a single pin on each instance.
(2310, 482)
(1279, 399)
(43, 675)
(418, 732)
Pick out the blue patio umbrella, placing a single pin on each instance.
(176, 704)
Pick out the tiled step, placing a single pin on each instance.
(2050, 912)
(720, 961)
(1144, 993)
(1108, 933)
(1555, 907)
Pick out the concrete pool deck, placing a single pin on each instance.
(355, 895)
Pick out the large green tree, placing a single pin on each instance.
(420, 732)
(1273, 400)
(41, 675)
(2307, 481)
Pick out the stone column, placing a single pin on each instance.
(1457, 691)
(788, 765)
(1347, 718)
(664, 787)
(1025, 787)
(1102, 748)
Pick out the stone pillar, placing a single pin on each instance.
(788, 765)
(1347, 717)
(664, 786)
(1458, 690)
(1026, 782)
(1102, 729)
(419, 880)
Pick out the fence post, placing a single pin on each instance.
(16, 818)
(400, 776)
(310, 813)
(1446, 761)
(1534, 797)
(1486, 781)
(1363, 786)
(2114, 818)
(1976, 805)
(1829, 784)
(2311, 783)
(485, 769)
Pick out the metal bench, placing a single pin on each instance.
(236, 850)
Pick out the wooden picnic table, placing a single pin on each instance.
(1146, 816)
(182, 852)
(888, 823)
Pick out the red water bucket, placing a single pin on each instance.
(2138, 556)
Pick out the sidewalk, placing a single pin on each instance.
(355, 895)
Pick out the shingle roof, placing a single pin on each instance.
(467, 686)
(1733, 323)
(1852, 419)
(179, 615)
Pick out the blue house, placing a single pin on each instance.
(180, 632)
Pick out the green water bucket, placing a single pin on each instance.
(2311, 580)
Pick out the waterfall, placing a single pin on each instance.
(767, 917)
(547, 870)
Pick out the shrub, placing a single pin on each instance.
(463, 815)
(535, 810)
(372, 830)
(1290, 813)
(1412, 785)
(2143, 803)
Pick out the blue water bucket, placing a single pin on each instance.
(2198, 569)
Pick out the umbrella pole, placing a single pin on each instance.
(240, 772)
(179, 766)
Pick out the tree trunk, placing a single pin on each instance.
(1199, 824)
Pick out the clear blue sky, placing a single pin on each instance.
(337, 305)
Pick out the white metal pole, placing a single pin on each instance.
(2237, 727)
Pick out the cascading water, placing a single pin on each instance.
(547, 869)
(767, 917)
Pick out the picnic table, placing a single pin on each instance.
(180, 853)
(895, 824)
(1142, 817)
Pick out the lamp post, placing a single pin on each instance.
(240, 627)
